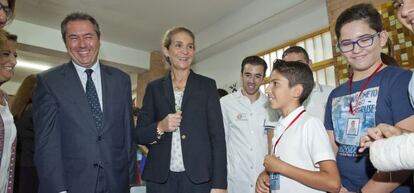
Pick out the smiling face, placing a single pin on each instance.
(280, 95)
(82, 42)
(7, 60)
(252, 77)
(405, 12)
(362, 59)
(181, 51)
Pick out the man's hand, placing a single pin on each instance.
(381, 131)
(218, 190)
(262, 183)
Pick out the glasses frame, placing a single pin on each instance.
(371, 37)
(7, 10)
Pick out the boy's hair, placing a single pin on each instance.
(254, 60)
(296, 73)
(361, 11)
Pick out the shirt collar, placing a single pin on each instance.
(262, 97)
(285, 121)
(81, 69)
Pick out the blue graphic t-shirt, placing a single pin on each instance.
(385, 100)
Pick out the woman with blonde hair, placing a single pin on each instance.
(7, 128)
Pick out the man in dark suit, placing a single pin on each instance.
(83, 118)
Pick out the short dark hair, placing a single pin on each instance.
(254, 60)
(11, 36)
(296, 49)
(296, 73)
(362, 11)
(78, 16)
(222, 92)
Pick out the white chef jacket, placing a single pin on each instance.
(246, 139)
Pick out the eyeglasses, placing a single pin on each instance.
(7, 10)
(363, 42)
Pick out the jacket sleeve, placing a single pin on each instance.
(217, 138)
(48, 157)
(129, 133)
(392, 154)
(147, 123)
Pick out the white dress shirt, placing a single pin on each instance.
(303, 145)
(96, 77)
(246, 139)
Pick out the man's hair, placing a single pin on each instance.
(296, 73)
(78, 16)
(296, 49)
(362, 11)
(254, 60)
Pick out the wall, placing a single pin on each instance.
(225, 66)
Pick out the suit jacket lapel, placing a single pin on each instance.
(190, 88)
(75, 91)
(106, 94)
(168, 91)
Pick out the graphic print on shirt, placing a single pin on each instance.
(350, 128)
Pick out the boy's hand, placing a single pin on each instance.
(272, 163)
(262, 183)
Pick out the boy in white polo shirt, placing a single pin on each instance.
(302, 159)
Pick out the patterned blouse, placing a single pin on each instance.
(7, 147)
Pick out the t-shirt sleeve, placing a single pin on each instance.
(328, 113)
(318, 143)
(399, 98)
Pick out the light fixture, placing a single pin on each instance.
(32, 65)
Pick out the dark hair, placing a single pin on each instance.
(23, 97)
(296, 73)
(10, 36)
(12, 5)
(296, 49)
(166, 40)
(78, 16)
(361, 11)
(254, 60)
(222, 92)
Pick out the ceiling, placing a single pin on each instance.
(140, 24)
(137, 24)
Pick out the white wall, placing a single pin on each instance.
(225, 66)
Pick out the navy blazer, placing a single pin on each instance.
(202, 131)
(69, 149)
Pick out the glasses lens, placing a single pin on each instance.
(366, 41)
(346, 46)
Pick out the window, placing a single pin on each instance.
(319, 47)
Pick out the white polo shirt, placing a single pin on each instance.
(246, 139)
(315, 104)
(303, 145)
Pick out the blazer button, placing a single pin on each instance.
(183, 136)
